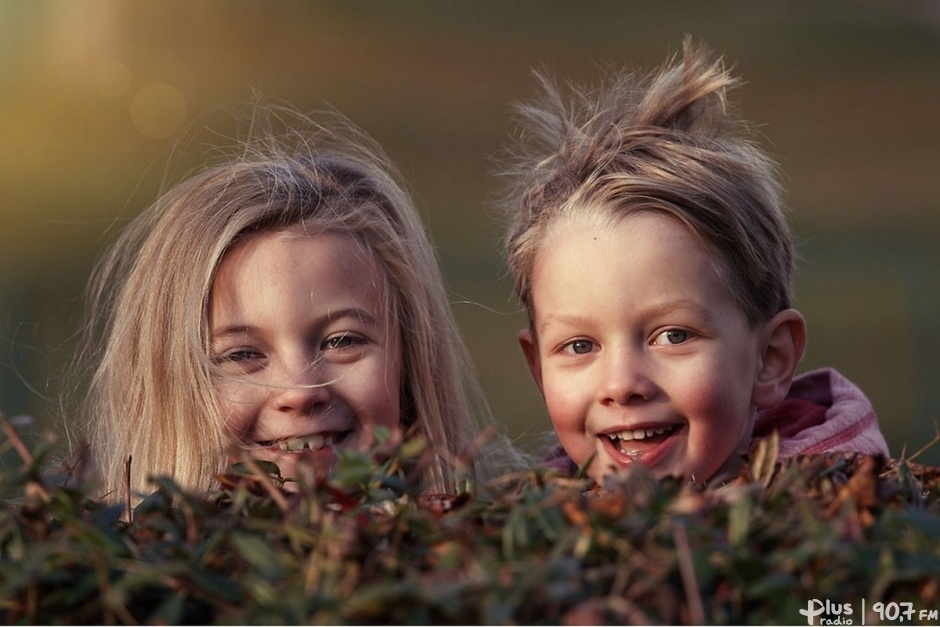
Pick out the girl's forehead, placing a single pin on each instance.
(277, 280)
(271, 255)
(346, 244)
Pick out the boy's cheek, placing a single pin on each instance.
(562, 396)
(565, 406)
(577, 444)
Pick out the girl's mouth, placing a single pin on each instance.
(314, 442)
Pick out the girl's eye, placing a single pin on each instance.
(580, 347)
(239, 355)
(239, 361)
(672, 337)
(342, 341)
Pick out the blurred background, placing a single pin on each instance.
(96, 95)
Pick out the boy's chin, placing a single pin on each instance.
(726, 473)
(720, 476)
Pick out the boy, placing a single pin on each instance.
(650, 248)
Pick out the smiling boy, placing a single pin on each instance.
(651, 250)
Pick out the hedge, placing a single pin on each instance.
(785, 539)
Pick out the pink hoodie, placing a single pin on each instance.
(823, 412)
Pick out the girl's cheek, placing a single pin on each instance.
(237, 403)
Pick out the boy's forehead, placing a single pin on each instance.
(594, 254)
(580, 213)
(595, 220)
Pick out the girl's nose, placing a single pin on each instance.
(626, 378)
(301, 389)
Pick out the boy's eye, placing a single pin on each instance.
(672, 337)
(580, 347)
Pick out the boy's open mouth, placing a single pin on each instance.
(628, 440)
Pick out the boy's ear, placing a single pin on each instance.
(783, 343)
(530, 349)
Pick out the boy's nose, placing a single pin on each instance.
(626, 378)
(301, 389)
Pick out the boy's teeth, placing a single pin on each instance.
(639, 434)
(314, 442)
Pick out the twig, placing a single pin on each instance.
(276, 495)
(127, 488)
(929, 445)
(687, 571)
(15, 439)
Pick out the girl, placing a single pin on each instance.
(650, 248)
(287, 301)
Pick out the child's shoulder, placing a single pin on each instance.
(558, 460)
(823, 412)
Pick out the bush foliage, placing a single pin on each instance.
(365, 546)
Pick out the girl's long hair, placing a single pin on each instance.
(150, 398)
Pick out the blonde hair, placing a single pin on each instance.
(666, 143)
(151, 395)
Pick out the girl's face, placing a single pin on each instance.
(301, 340)
(638, 348)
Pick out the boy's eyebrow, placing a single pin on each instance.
(564, 319)
(674, 305)
(648, 312)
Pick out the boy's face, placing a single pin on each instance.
(305, 356)
(639, 350)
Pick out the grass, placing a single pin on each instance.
(367, 546)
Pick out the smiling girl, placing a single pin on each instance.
(285, 304)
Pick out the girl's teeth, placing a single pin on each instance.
(314, 442)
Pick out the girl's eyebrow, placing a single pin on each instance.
(235, 329)
(356, 313)
(352, 312)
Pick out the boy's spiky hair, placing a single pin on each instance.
(669, 142)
